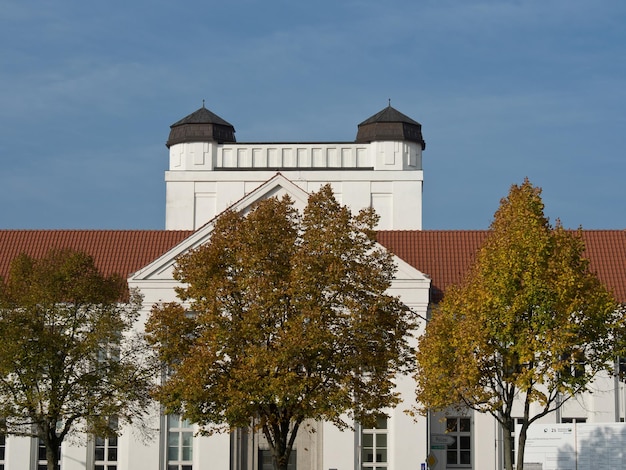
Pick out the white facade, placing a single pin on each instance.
(327, 447)
(204, 178)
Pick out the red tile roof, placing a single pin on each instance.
(446, 255)
(443, 255)
(114, 251)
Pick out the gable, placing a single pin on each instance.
(162, 268)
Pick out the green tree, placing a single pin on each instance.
(66, 362)
(291, 322)
(529, 322)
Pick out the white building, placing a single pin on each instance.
(208, 172)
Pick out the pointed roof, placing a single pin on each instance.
(202, 116)
(201, 126)
(389, 114)
(390, 124)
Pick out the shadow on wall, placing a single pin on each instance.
(598, 446)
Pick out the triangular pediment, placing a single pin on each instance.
(161, 269)
(159, 273)
(407, 272)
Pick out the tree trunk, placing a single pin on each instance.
(508, 441)
(53, 456)
(281, 436)
(521, 445)
(52, 442)
(521, 440)
(281, 461)
(280, 452)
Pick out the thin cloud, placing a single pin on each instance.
(504, 89)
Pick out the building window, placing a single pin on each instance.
(105, 449)
(574, 364)
(459, 453)
(266, 460)
(620, 368)
(3, 448)
(179, 443)
(374, 446)
(518, 422)
(573, 420)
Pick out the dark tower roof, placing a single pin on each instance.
(201, 126)
(390, 124)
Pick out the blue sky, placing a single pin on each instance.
(504, 89)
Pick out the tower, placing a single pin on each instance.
(209, 170)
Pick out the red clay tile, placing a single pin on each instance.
(443, 255)
(114, 251)
(446, 255)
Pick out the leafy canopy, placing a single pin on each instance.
(64, 363)
(528, 320)
(290, 322)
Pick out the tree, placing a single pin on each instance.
(529, 322)
(290, 322)
(65, 362)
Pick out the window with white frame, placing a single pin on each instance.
(459, 453)
(518, 422)
(179, 443)
(3, 448)
(374, 446)
(105, 449)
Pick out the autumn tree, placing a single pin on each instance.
(290, 322)
(66, 364)
(529, 323)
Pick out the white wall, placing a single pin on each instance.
(206, 178)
